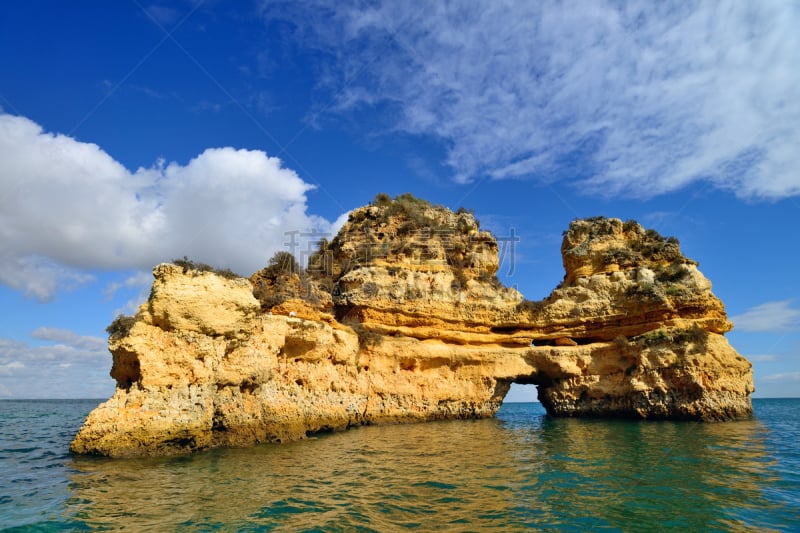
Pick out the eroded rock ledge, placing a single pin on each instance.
(401, 318)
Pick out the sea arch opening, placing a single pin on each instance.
(522, 392)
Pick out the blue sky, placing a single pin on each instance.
(134, 132)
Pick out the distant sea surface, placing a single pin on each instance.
(519, 470)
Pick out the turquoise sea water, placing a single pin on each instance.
(520, 470)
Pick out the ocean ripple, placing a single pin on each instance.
(520, 470)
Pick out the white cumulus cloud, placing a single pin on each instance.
(777, 316)
(66, 337)
(67, 207)
(635, 98)
(66, 365)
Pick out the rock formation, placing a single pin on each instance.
(401, 318)
(636, 331)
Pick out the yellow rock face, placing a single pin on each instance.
(413, 326)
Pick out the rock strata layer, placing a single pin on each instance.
(400, 318)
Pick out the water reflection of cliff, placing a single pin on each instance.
(690, 476)
(520, 470)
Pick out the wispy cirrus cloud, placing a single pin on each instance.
(775, 317)
(638, 99)
(784, 376)
(136, 285)
(162, 14)
(137, 280)
(779, 385)
(762, 358)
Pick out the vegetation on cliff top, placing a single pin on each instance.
(189, 265)
(284, 279)
(121, 326)
(405, 228)
(641, 246)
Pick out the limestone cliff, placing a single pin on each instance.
(407, 268)
(401, 318)
(634, 330)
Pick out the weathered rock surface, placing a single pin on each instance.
(646, 330)
(402, 319)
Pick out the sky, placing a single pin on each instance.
(133, 132)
